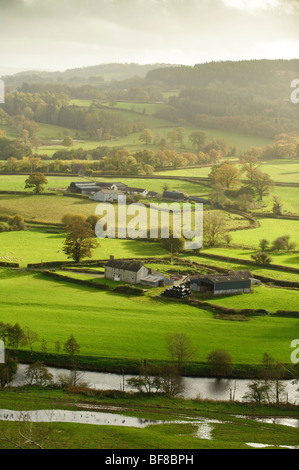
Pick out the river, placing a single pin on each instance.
(205, 388)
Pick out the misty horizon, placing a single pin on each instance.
(57, 36)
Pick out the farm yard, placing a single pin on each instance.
(56, 308)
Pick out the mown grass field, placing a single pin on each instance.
(112, 325)
(234, 425)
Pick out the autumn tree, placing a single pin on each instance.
(146, 136)
(36, 181)
(67, 141)
(80, 240)
(198, 139)
(227, 175)
(277, 206)
(214, 227)
(260, 182)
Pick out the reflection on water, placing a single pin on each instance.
(79, 417)
(206, 388)
(203, 425)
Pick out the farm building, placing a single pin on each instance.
(134, 191)
(200, 200)
(89, 187)
(108, 195)
(120, 186)
(134, 272)
(126, 271)
(152, 194)
(219, 284)
(173, 195)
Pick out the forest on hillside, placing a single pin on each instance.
(248, 97)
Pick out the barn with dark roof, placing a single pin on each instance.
(219, 284)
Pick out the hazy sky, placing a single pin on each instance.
(61, 34)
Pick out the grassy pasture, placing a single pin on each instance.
(113, 325)
(269, 229)
(36, 247)
(268, 298)
(284, 259)
(238, 266)
(81, 103)
(17, 183)
(289, 198)
(142, 108)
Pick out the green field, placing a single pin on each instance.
(288, 196)
(113, 325)
(269, 229)
(268, 298)
(283, 259)
(238, 266)
(140, 108)
(36, 247)
(17, 183)
(286, 171)
(81, 103)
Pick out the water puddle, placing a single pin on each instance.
(204, 425)
(78, 417)
(257, 445)
(291, 422)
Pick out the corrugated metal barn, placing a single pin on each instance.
(218, 284)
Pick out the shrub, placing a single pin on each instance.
(129, 290)
(261, 258)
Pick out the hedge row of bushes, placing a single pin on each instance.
(225, 310)
(269, 215)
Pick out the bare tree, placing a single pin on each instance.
(26, 434)
(180, 348)
(30, 337)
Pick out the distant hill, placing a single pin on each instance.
(94, 73)
(265, 77)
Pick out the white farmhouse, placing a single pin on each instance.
(109, 195)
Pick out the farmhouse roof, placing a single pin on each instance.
(199, 199)
(136, 190)
(220, 278)
(109, 191)
(120, 185)
(173, 194)
(133, 266)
